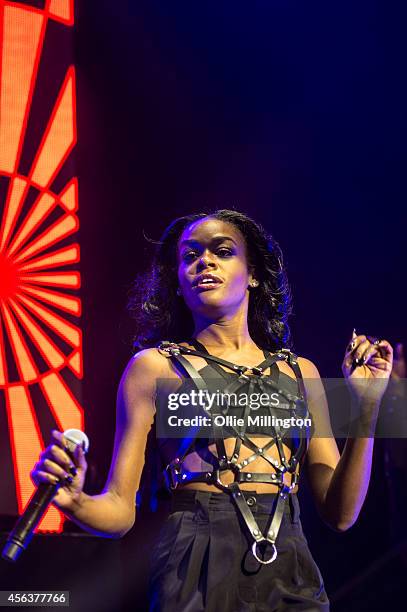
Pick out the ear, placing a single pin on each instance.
(252, 274)
(253, 282)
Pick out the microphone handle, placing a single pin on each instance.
(23, 531)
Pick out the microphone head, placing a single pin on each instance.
(75, 437)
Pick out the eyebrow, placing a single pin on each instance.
(215, 239)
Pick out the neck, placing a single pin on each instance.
(226, 332)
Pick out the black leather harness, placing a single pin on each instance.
(176, 474)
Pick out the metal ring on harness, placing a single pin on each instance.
(272, 558)
(216, 475)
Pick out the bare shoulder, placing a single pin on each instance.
(138, 384)
(308, 368)
(313, 385)
(146, 366)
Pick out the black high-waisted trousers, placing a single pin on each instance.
(202, 560)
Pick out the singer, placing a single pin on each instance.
(215, 306)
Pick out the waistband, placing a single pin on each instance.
(259, 503)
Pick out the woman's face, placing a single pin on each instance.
(213, 271)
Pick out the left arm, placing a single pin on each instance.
(339, 483)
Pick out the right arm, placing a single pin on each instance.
(112, 513)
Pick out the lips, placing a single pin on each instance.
(207, 281)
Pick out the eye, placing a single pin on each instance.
(224, 252)
(189, 256)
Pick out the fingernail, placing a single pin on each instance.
(354, 334)
(69, 479)
(73, 470)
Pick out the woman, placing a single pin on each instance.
(233, 541)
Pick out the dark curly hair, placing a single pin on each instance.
(162, 315)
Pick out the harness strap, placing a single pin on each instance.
(200, 383)
(177, 474)
(251, 521)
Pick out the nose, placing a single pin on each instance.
(204, 260)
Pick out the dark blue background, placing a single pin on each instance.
(292, 112)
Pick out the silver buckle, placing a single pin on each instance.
(169, 347)
(170, 472)
(228, 465)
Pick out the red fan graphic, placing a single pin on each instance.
(39, 337)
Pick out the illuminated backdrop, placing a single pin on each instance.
(40, 337)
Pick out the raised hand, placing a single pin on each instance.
(367, 366)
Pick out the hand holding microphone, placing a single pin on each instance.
(59, 476)
(63, 463)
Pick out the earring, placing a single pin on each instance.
(254, 283)
(179, 291)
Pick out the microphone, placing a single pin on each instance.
(23, 531)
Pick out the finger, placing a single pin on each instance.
(79, 457)
(376, 351)
(347, 362)
(385, 349)
(370, 355)
(60, 456)
(53, 468)
(380, 364)
(45, 477)
(351, 344)
(361, 351)
(56, 454)
(379, 360)
(59, 437)
(72, 455)
(356, 341)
